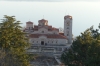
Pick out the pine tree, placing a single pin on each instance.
(13, 42)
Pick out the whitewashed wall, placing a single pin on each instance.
(47, 40)
(42, 29)
(45, 31)
(29, 25)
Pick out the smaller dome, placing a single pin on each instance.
(29, 22)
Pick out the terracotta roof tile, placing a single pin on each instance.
(61, 34)
(49, 27)
(55, 36)
(55, 29)
(35, 28)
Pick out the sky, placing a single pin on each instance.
(85, 13)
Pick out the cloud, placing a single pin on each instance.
(52, 0)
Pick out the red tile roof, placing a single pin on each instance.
(61, 34)
(35, 28)
(55, 36)
(50, 28)
(55, 29)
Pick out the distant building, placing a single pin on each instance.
(46, 39)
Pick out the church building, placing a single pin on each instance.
(46, 39)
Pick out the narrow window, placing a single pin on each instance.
(42, 42)
(67, 33)
(56, 41)
(67, 24)
(67, 27)
(42, 31)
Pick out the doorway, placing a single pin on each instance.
(42, 42)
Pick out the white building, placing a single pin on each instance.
(48, 40)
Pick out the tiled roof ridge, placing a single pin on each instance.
(57, 36)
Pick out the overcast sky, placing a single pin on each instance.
(51, 0)
(85, 13)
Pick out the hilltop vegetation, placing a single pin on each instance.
(85, 50)
(13, 43)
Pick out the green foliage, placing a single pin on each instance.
(85, 50)
(13, 43)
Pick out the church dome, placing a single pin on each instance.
(43, 22)
(29, 22)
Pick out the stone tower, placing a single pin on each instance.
(68, 28)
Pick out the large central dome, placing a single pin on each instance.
(43, 22)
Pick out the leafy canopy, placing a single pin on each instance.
(85, 50)
(13, 42)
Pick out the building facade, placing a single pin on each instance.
(46, 39)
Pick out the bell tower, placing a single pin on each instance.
(68, 28)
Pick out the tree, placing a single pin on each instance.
(2, 55)
(13, 42)
(85, 50)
